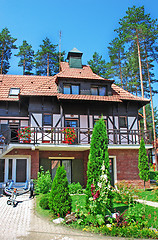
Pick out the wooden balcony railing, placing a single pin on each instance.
(43, 135)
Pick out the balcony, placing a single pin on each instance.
(48, 135)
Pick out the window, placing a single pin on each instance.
(47, 119)
(102, 91)
(96, 90)
(123, 122)
(96, 120)
(67, 89)
(14, 91)
(75, 89)
(71, 89)
(71, 123)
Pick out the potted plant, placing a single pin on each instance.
(69, 135)
(24, 135)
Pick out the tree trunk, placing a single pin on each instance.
(136, 86)
(141, 80)
(48, 65)
(152, 107)
(24, 66)
(59, 49)
(144, 185)
(2, 59)
(120, 71)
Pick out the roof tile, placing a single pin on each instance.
(47, 86)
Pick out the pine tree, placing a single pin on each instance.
(135, 29)
(26, 55)
(99, 66)
(149, 119)
(143, 163)
(60, 199)
(98, 154)
(47, 59)
(116, 54)
(6, 46)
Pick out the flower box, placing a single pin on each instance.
(69, 135)
(24, 135)
(45, 141)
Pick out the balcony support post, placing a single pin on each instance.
(88, 124)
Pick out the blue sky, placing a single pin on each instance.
(87, 25)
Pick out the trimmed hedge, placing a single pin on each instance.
(153, 175)
(44, 202)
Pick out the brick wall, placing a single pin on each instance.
(127, 166)
(126, 161)
(85, 159)
(47, 154)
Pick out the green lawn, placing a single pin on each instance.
(148, 195)
(42, 212)
(151, 215)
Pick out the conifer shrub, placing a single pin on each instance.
(98, 159)
(75, 188)
(143, 164)
(60, 200)
(44, 201)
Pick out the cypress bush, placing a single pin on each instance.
(60, 199)
(143, 164)
(97, 157)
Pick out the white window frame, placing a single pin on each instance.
(14, 157)
(114, 168)
(14, 91)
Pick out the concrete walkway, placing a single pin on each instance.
(149, 203)
(22, 223)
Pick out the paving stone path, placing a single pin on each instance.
(21, 223)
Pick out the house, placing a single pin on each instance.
(39, 107)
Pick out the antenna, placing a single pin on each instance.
(59, 49)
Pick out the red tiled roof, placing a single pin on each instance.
(125, 95)
(89, 97)
(81, 73)
(46, 86)
(29, 85)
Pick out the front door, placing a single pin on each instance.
(2, 162)
(67, 165)
(21, 165)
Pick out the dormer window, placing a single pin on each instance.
(71, 89)
(98, 91)
(14, 92)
